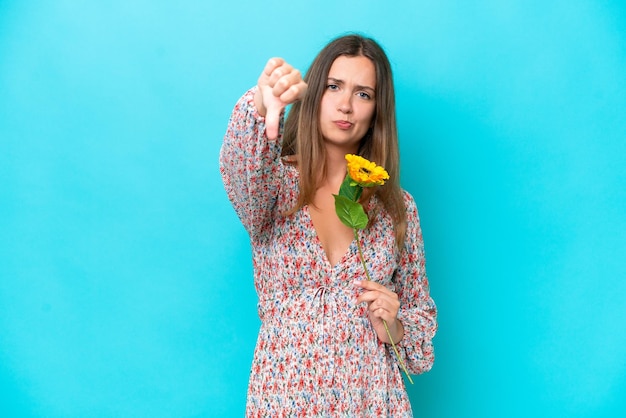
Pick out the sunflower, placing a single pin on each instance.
(364, 172)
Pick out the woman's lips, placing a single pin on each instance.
(343, 124)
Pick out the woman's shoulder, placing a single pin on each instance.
(409, 201)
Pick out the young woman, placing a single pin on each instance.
(323, 349)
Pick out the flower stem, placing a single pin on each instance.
(367, 274)
(406, 372)
(358, 245)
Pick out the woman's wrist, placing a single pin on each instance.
(397, 331)
(258, 102)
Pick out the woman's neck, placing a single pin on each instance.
(335, 165)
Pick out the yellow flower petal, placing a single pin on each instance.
(364, 172)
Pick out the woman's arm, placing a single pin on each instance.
(250, 165)
(417, 313)
(250, 156)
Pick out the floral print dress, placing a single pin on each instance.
(317, 353)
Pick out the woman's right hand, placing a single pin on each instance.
(279, 85)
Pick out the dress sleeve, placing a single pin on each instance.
(250, 166)
(418, 312)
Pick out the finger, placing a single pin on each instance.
(374, 287)
(379, 309)
(380, 300)
(283, 78)
(290, 87)
(271, 65)
(369, 296)
(272, 120)
(385, 302)
(376, 305)
(369, 285)
(376, 314)
(294, 92)
(279, 72)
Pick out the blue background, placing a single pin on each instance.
(125, 277)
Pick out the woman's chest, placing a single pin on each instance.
(295, 255)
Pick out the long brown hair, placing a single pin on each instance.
(302, 136)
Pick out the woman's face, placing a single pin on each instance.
(349, 102)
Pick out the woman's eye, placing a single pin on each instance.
(332, 87)
(364, 95)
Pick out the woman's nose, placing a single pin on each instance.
(345, 103)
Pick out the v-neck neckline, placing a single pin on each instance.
(320, 248)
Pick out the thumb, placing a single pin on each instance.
(272, 121)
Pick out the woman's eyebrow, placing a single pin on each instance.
(357, 87)
(365, 88)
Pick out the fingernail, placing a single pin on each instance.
(357, 282)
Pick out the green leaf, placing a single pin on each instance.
(350, 189)
(350, 213)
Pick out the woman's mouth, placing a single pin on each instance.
(343, 124)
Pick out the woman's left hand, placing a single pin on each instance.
(383, 304)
